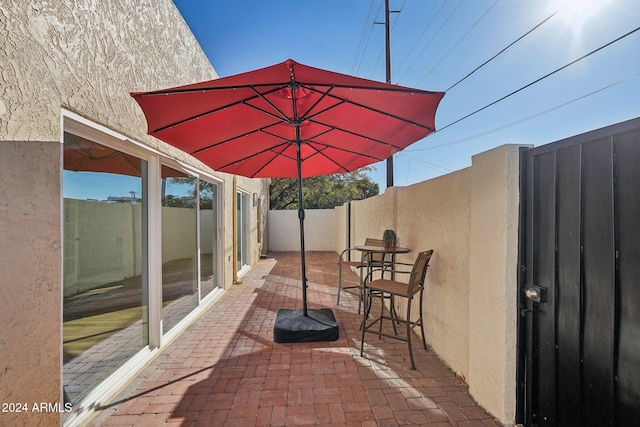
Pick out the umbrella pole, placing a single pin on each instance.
(301, 218)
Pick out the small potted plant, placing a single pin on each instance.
(389, 239)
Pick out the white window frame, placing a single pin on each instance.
(73, 123)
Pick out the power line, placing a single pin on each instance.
(432, 38)
(382, 51)
(541, 78)
(526, 119)
(458, 42)
(431, 165)
(503, 50)
(422, 35)
(362, 37)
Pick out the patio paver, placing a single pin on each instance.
(225, 369)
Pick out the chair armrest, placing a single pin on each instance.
(386, 270)
(346, 251)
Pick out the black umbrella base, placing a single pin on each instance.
(293, 326)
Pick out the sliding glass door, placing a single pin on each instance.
(242, 229)
(208, 202)
(105, 284)
(179, 246)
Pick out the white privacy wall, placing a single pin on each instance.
(319, 230)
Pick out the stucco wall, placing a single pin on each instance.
(493, 281)
(30, 292)
(319, 227)
(470, 218)
(84, 56)
(341, 237)
(435, 215)
(432, 214)
(87, 55)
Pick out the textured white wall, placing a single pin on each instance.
(84, 56)
(319, 230)
(340, 233)
(435, 215)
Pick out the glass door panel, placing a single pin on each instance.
(209, 279)
(179, 246)
(105, 269)
(242, 229)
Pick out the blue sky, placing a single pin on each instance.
(436, 43)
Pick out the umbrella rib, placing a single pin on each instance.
(272, 149)
(311, 140)
(357, 104)
(320, 152)
(389, 88)
(368, 138)
(344, 150)
(172, 91)
(277, 154)
(283, 117)
(260, 129)
(215, 110)
(324, 95)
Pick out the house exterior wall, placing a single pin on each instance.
(30, 290)
(83, 56)
(470, 218)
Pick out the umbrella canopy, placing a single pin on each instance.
(83, 155)
(291, 120)
(250, 124)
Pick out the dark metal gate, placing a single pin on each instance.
(580, 300)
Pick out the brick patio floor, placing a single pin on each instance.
(225, 369)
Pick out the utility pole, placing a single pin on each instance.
(387, 32)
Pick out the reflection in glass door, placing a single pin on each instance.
(242, 229)
(105, 270)
(209, 279)
(179, 246)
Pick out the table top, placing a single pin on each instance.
(383, 250)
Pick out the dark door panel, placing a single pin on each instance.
(581, 275)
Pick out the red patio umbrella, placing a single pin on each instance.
(290, 120)
(83, 155)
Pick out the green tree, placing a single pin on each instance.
(322, 192)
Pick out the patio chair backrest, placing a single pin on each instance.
(376, 259)
(419, 271)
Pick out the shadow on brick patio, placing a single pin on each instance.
(226, 370)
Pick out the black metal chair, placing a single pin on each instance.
(361, 265)
(386, 288)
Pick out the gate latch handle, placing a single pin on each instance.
(536, 294)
